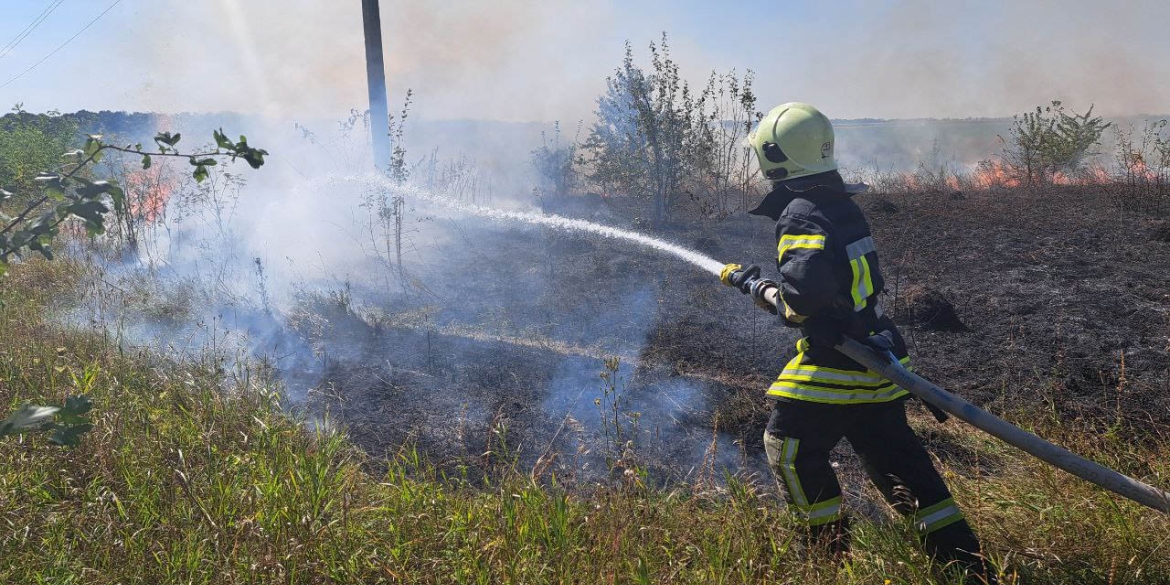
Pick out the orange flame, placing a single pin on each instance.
(147, 193)
(1136, 170)
(1091, 175)
(1099, 176)
(992, 174)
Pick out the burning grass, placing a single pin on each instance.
(1130, 183)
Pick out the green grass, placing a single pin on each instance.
(193, 475)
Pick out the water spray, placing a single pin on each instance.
(702, 261)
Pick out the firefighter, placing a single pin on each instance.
(830, 285)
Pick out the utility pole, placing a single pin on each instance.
(376, 75)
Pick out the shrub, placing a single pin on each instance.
(656, 139)
(1050, 142)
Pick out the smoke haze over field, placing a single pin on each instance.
(392, 297)
(542, 60)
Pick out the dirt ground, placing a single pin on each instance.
(1019, 301)
(1064, 295)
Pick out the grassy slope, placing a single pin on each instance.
(182, 482)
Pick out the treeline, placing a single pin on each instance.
(127, 124)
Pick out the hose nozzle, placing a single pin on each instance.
(729, 270)
(749, 282)
(734, 275)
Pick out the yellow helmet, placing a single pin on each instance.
(793, 140)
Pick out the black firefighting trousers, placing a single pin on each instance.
(798, 440)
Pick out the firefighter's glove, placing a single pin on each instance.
(882, 342)
(824, 330)
(741, 278)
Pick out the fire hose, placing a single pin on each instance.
(884, 363)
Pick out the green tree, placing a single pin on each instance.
(31, 143)
(1050, 140)
(656, 139)
(641, 144)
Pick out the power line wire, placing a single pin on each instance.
(62, 45)
(8, 48)
(10, 45)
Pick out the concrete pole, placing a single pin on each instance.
(376, 76)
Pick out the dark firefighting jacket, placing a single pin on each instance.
(828, 264)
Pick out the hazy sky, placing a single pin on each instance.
(548, 59)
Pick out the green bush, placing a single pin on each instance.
(1051, 141)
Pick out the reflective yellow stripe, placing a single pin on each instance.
(832, 393)
(862, 275)
(789, 313)
(837, 379)
(820, 512)
(799, 381)
(813, 241)
(862, 283)
(855, 267)
(790, 242)
(816, 373)
(814, 513)
(937, 516)
(788, 471)
(795, 363)
(811, 393)
(866, 281)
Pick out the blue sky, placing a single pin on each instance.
(547, 59)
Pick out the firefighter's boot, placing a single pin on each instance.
(957, 547)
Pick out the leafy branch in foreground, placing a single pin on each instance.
(68, 194)
(65, 423)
